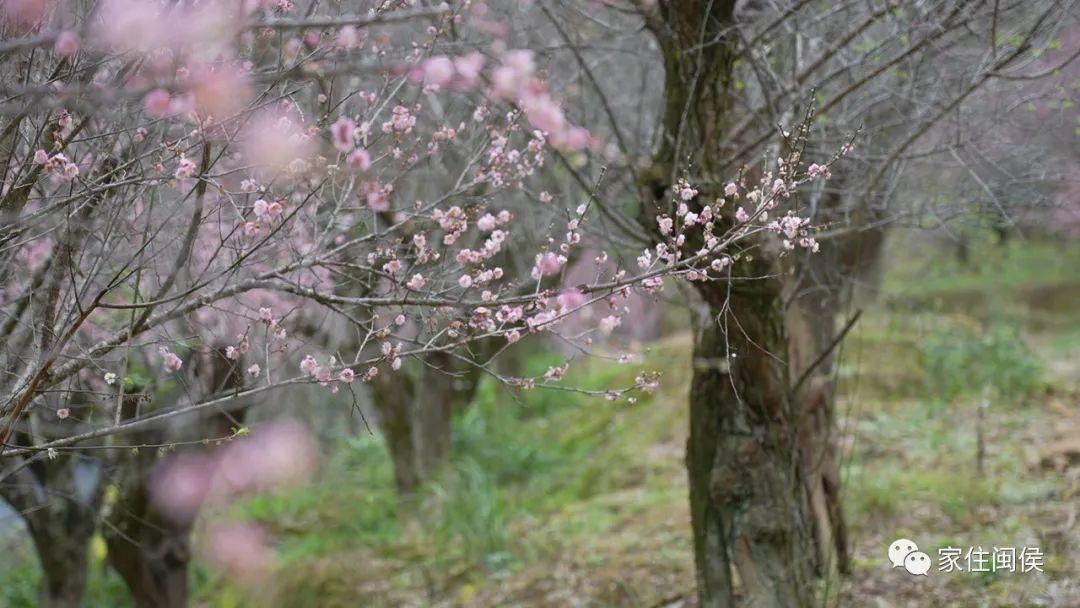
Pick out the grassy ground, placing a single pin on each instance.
(553, 499)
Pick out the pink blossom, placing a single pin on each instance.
(254, 370)
(41, 157)
(719, 264)
(171, 361)
(341, 133)
(240, 550)
(156, 103)
(609, 323)
(546, 115)
(513, 336)
(666, 224)
(377, 200)
(180, 484)
(346, 375)
(465, 281)
(438, 71)
(231, 352)
(308, 365)
(359, 160)
(219, 90)
(323, 375)
(348, 37)
(731, 190)
(63, 413)
(555, 373)
(417, 282)
(486, 223)
(185, 168)
(277, 454)
(576, 139)
(23, 15)
(67, 44)
(468, 69)
(261, 209)
(70, 171)
(570, 299)
(266, 316)
(274, 139)
(546, 264)
(742, 215)
(251, 229)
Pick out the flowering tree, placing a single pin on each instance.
(762, 459)
(208, 201)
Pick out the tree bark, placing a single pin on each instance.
(61, 520)
(750, 508)
(149, 550)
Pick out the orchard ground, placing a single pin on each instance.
(553, 499)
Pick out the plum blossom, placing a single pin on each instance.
(67, 44)
(547, 264)
(666, 224)
(417, 282)
(185, 169)
(437, 71)
(254, 370)
(347, 375)
(358, 160)
(609, 323)
(341, 133)
(180, 484)
(241, 550)
(171, 361)
(742, 215)
(309, 365)
(570, 299)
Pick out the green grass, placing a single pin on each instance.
(551, 494)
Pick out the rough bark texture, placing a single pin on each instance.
(61, 517)
(750, 505)
(149, 550)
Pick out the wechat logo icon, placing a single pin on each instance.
(904, 553)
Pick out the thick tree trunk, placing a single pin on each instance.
(748, 502)
(750, 506)
(61, 516)
(148, 549)
(150, 552)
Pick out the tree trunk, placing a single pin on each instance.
(149, 550)
(392, 397)
(61, 518)
(750, 508)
